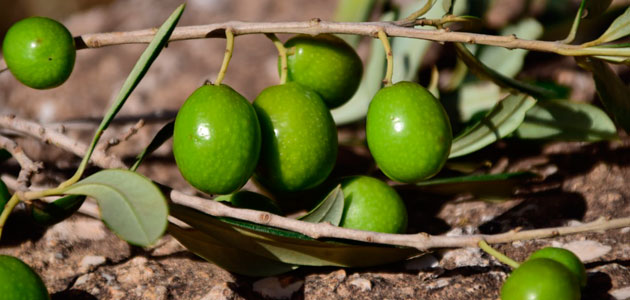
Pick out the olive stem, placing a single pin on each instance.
(498, 255)
(420, 241)
(412, 17)
(8, 208)
(390, 58)
(28, 168)
(229, 48)
(282, 54)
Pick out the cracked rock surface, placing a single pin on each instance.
(81, 259)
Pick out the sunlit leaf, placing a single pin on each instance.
(502, 120)
(328, 210)
(353, 11)
(52, 213)
(165, 133)
(618, 29)
(287, 247)
(131, 205)
(565, 120)
(229, 258)
(612, 91)
(485, 185)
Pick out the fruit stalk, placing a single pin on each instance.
(390, 57)
(498, 255)
(8, 208)
(282, 54)
(229, 49)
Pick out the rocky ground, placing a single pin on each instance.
(81, 259)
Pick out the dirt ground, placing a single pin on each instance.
(80, 259)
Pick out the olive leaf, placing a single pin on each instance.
(4, 155)
(353, 11)
(328, 210)
(618, 29)
(54, 212)
(130, 204)
(566, 120)
(4, 195)
(165, 133)
(502, 120)
(229, 258)
(286, 246)
(612, 91)
(481, 186)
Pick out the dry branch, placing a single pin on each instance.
(421, 241)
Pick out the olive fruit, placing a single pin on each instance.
(251, 200)
(299, 138)
(39, 52)
(19, 282)
(566, 258)
(408, 132)
(4, 195)
(216, 139)
(371, 204)
(325, 64)
(541, 279)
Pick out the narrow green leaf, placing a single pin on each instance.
(165, 133)
(328, 210)
(264, 242)
(576, 22)
(565, 120)
(52, 213)
(356, 108)
(229, 258)
(612, 91)
(485, 185)
(618, 29)
(4, 195)
(502, 120)
(353, 11)
(131, 205)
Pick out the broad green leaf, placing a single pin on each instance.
(565, 120)
(229, 258)
(353, 11)
(509, 62)
(287, 247)
(4, 195)
(52, 213)
(328, 210)
(165, 133)
(612, 91)
(131, 205)
(137, 73)
(485, 185)
(356, 108)
(502, 120)
(476, 97)
(618, 29)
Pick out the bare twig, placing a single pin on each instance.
(28, 168)
(421, 241)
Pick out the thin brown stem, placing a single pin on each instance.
(28, 168)
(390, 57)
(420, 241)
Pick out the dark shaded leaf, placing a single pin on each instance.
(328, 210)
(52, 213)
(486, 185)
(4, 195)
(165, 133)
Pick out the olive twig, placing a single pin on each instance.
(27, 167)
(390, 57)
(498, 255)
(229, 48)
(8, 208)
(282, 54)
(419, 13)
(420, 241)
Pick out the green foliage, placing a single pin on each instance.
(4, 195)
(130, 204)
(54, 212)
(482, 186)
(328, 210)
(618, 29)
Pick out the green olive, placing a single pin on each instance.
(408, 132)
(216, 139)
(541, 279)
(371, 204)
(566, 258)
(299, 138)
(251, 200)
(19, 282)
(325, 64)
(39, 52)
